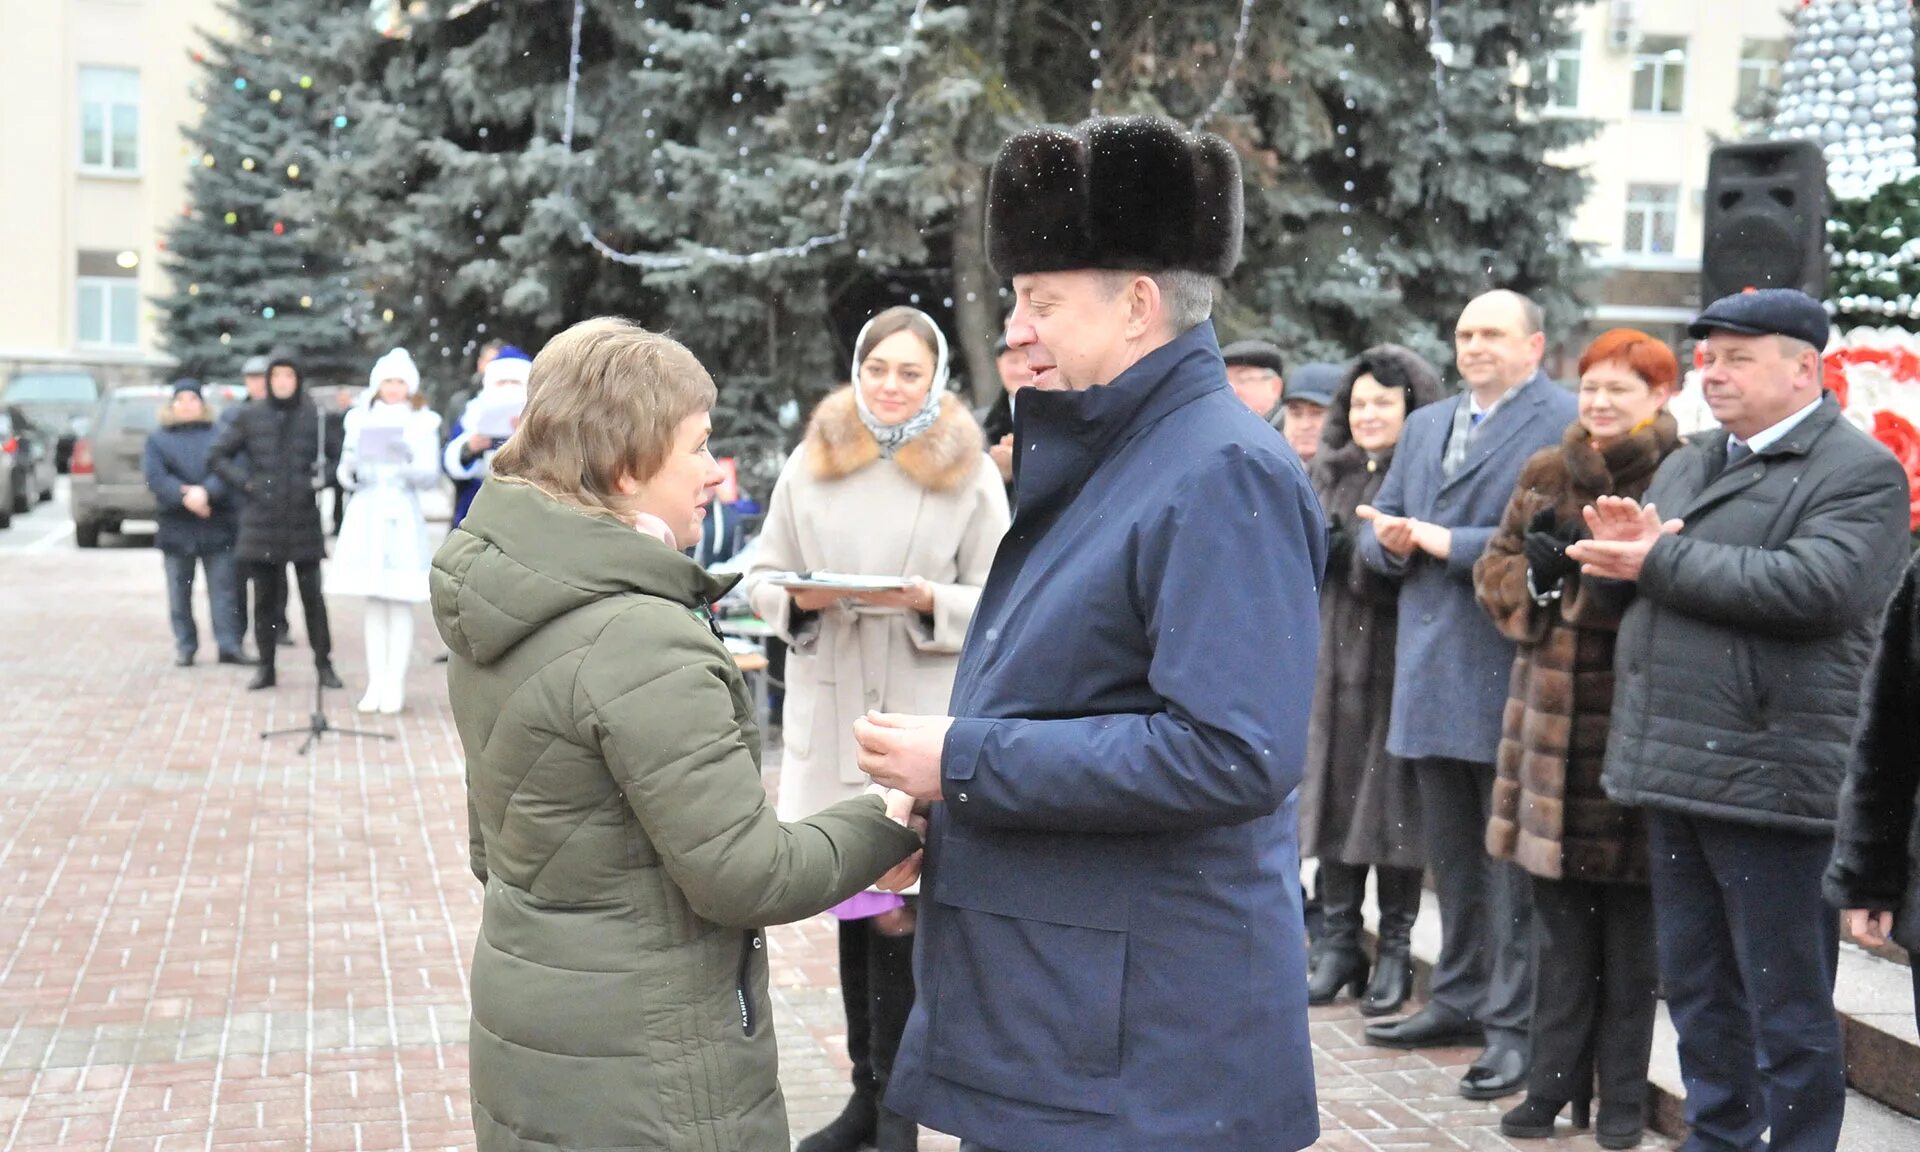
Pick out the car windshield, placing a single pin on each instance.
(135, 411)
(62, 388)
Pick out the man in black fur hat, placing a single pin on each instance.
(1111, 953)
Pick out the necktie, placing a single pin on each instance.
(1737, 451)
(1474, 418)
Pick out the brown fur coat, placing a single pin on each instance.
(1550, 814)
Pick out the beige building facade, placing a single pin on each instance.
(93, 94)
(1665, 80)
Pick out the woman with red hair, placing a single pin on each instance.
(1593, 1004)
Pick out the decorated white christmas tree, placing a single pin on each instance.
(1849, 85)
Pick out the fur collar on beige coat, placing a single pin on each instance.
(935, 510)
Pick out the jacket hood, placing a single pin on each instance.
(521, 559)
(1393, 366)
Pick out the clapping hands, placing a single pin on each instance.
(1545, 545)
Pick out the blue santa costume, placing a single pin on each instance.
(469, 468)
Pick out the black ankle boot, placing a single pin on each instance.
(850, 1131)
(262, 678)
(1621, 1125)
(1334, 968)
(328, 677)
(895, 1133)
(1533, 1119)
(1390, 987)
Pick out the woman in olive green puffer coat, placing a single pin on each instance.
(617, 818)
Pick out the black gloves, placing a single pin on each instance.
(1545, 546)
(1339, 548)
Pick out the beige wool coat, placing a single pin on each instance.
(936, 510)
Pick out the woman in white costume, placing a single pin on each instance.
(391, 453)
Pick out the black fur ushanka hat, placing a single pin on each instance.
(1126, 193)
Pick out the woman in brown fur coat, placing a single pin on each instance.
(1593, 1004)
(1360, 805)
(892, 479)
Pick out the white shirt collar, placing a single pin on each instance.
(1763, 440)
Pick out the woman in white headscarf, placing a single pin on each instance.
(892, 480)
(389, 455)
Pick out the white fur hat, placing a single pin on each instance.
(395, 365)
(510, 364)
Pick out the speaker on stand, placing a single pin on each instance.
(1766, 219)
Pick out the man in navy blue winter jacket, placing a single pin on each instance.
(199, 520)
(1110, 948)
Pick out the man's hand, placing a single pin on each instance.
(915, 597)
(1870, 928)
(1432, 539)
(1395, 533)
(194, 498)
(903, 752)
(1002, 456)
(1623, 534)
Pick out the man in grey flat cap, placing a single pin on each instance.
(1111, 951)
(1757, 571)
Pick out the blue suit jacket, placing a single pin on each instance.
(1110, 949)
(1451, 667)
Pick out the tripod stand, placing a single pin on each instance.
(318, 726)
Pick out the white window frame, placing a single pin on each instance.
(1658, 62)
(1767, 68)
(116, 293)
(112, 92)
(1649, 210)
(1570, 53)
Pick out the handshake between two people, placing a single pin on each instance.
(902, 755)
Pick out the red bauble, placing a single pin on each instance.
(279, 229)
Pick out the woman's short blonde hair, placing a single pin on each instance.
(604, 400)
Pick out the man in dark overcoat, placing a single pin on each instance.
(1110, 951)
(275, 453)
(1757, 571)
(1451, 479)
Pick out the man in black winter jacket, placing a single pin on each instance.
(1757, 571)
(284, 449)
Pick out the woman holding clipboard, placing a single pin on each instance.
(892, 492)
(389, 454)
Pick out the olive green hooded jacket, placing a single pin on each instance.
(628, 849)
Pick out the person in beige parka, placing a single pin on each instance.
(891, 480)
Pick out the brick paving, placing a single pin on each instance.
(207, 940)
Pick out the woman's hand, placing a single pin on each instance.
(915, 597)
(814, 599)
(1870, 928)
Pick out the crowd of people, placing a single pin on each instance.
(1642, 708)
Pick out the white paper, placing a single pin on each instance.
(839, 581)
(384, 444)
(495, 411)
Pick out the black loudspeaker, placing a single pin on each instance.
(1766, 219)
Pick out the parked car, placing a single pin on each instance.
(27, 453)
(59, 400)
(108, 487)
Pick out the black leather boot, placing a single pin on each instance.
(328, 677)
(262, 677)
(895, 1133)
(1337, 960)
(1533, 1119)
(1399, 892)
(1621, 1124)
(850, 1131)
(1333, 969)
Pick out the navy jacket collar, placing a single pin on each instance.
(1061, 437)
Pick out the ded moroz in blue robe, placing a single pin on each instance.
(1111, 954)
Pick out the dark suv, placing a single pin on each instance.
(108, 486)
(58, 400)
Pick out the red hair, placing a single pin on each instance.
(1648, 358)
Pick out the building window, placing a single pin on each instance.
(1563, 76)
(109, 120)
(1653, 219)
(1660, 74)
(107, 301)
(1760, 62)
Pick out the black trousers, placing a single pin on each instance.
(1748, 954)
(876, 982)
(243, 604)
(1485, 969)
(1594, 991)
(269, 583)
